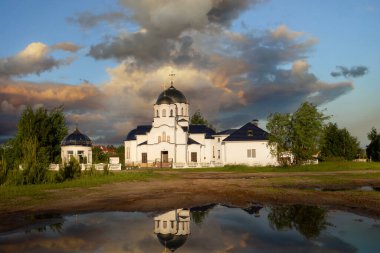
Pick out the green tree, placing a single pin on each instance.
(299, 133)
(98, 156)
(373, 149)
(198, 119)
(36, 144)
(279, 126)
(338, 143)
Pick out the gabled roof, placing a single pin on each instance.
(191, 141)
(139, 130)
(143, 143)
(248, 132)
(201, 129)
(226, 132)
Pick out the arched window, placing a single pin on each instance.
(163, 113)
(182, 111)
(171, 113)
(159, 139)
(163, 136)
(168, 138)
(157, 114)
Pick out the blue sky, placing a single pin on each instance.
(234, 60)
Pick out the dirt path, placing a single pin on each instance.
(177, 190)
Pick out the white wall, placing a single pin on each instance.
(236, 153)
(87, 152)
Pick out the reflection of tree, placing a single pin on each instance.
(308, 220)
(42, 221)
(199, 214)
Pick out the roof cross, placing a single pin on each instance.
(172, 75)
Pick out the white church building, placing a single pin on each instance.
(171, 141)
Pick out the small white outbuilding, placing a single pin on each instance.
(77, 145)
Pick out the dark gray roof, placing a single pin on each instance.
(201, 129)
(226, 132)
(248, 132)
(191, 141)
(171, 241)
(76, 139)
(139, 130)
(171, 96)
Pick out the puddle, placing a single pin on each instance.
(210, 228)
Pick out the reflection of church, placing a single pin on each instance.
(172, 228)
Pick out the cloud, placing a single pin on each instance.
(34, 59)
(355, 71)
(89, 20)
(66, 46)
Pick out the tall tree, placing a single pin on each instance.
(299, 133)
(373, 149)
(37, 142)
(279, 126)
(338, 143)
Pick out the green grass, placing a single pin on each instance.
(321, 167)
(39, 192)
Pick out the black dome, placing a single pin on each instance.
(172, 242)
(171, 96)
(76, 139)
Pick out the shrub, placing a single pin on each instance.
(70, 170)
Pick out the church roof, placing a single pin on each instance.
(191, 141)
(139, 130)
(248, 132)
(171, 241)
(226, 132)
(171, 96)
(76, 138)
(201, 129)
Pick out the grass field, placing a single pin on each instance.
(29, 195)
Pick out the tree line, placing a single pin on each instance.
(304, 135)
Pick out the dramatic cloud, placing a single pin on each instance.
(16, 95)
(89, 20)
(355, 71)
(34, 59)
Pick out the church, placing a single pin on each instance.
(172, 141)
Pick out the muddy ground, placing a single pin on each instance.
(179, 190)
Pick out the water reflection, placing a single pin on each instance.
(172, 228)
(214, 228)
(308, 220)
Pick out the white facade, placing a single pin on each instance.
(172, 142)
(82, 154)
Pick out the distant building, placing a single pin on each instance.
(171, 141)
(76, 145)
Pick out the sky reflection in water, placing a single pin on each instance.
(216, 229)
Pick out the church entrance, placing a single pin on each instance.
(165, 159)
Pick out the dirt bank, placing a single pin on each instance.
(176, 189)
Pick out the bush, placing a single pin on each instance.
(71, 170)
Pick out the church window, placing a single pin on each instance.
(163, 136)
(159, 139)
(251, 153)
(163, 113)
(218, 154)
(165, 224)
(128, 153)
(171, 113)
(194, 156)
(213, 151)
(250, 133)
(157, 114)
(168, 138)
(172, 224)
(144, 157)
(182, 111)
